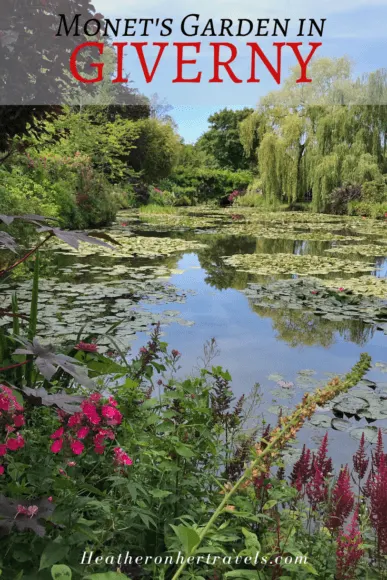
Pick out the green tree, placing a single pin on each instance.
(222, 140)
(321, 136)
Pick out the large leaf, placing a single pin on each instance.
(61, 572)
(73, 238)
(9, 516)
(188, 537)
(8, 241)
(48, 362)
(39, 397)
(53, 553)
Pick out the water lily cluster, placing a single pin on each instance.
(90, 429)
(11, 420)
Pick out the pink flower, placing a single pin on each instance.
(175, 353)
(113, 416)
(71, 463)
(122, 458)
(57, 445)
(87, 346)
(95, 397)
(74, 420)
(314, 292)
(82, 432)
(113, 402)
(90, 412)
(49, 498)
(13, 444)
(341, 289)
(3, 449)
(1, 469)
(57, 434)
(20, 441)
(77, 447)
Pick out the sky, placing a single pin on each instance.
(353, 28)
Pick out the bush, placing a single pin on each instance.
(67, 188)
(340, 197)
(368, 209)
(208, 184)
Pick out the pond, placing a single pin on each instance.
(292, 299)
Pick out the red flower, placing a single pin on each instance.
(57, 445)
(314, 292)
(301, 470)
(342, 500)
(87, 346)
(341, 289)
(18, 420)
(3, 449)
(378, 499)
(360, 461)
(175, 353)
(1, 469)
(348, 551)
(13, 444)
(316, 488)
(379, 451)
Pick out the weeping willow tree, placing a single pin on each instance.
(320, 136)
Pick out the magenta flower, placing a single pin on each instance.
(77, 447)
(349, 550)
(378, 500)
(342, 500)
(57, 446)
(316, 488)
(121, 458)
(360, 461)
(87, 346)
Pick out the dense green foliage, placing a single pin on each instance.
(222, 141)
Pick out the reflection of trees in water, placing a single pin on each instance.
(220, 275)
(302, 328)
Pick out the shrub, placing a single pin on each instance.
(64, 187)
(209, 184)
(368, 209)
(340, 197)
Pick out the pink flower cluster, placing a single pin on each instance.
(11, 419)
(93, 424)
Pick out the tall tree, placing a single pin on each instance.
(222, 140)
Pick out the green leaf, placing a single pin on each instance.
(249, 574)
(269, 504)
(184, 451)
(160, 493)
(52, 553)
(188, 537)
(105, 576)
(61, 572)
